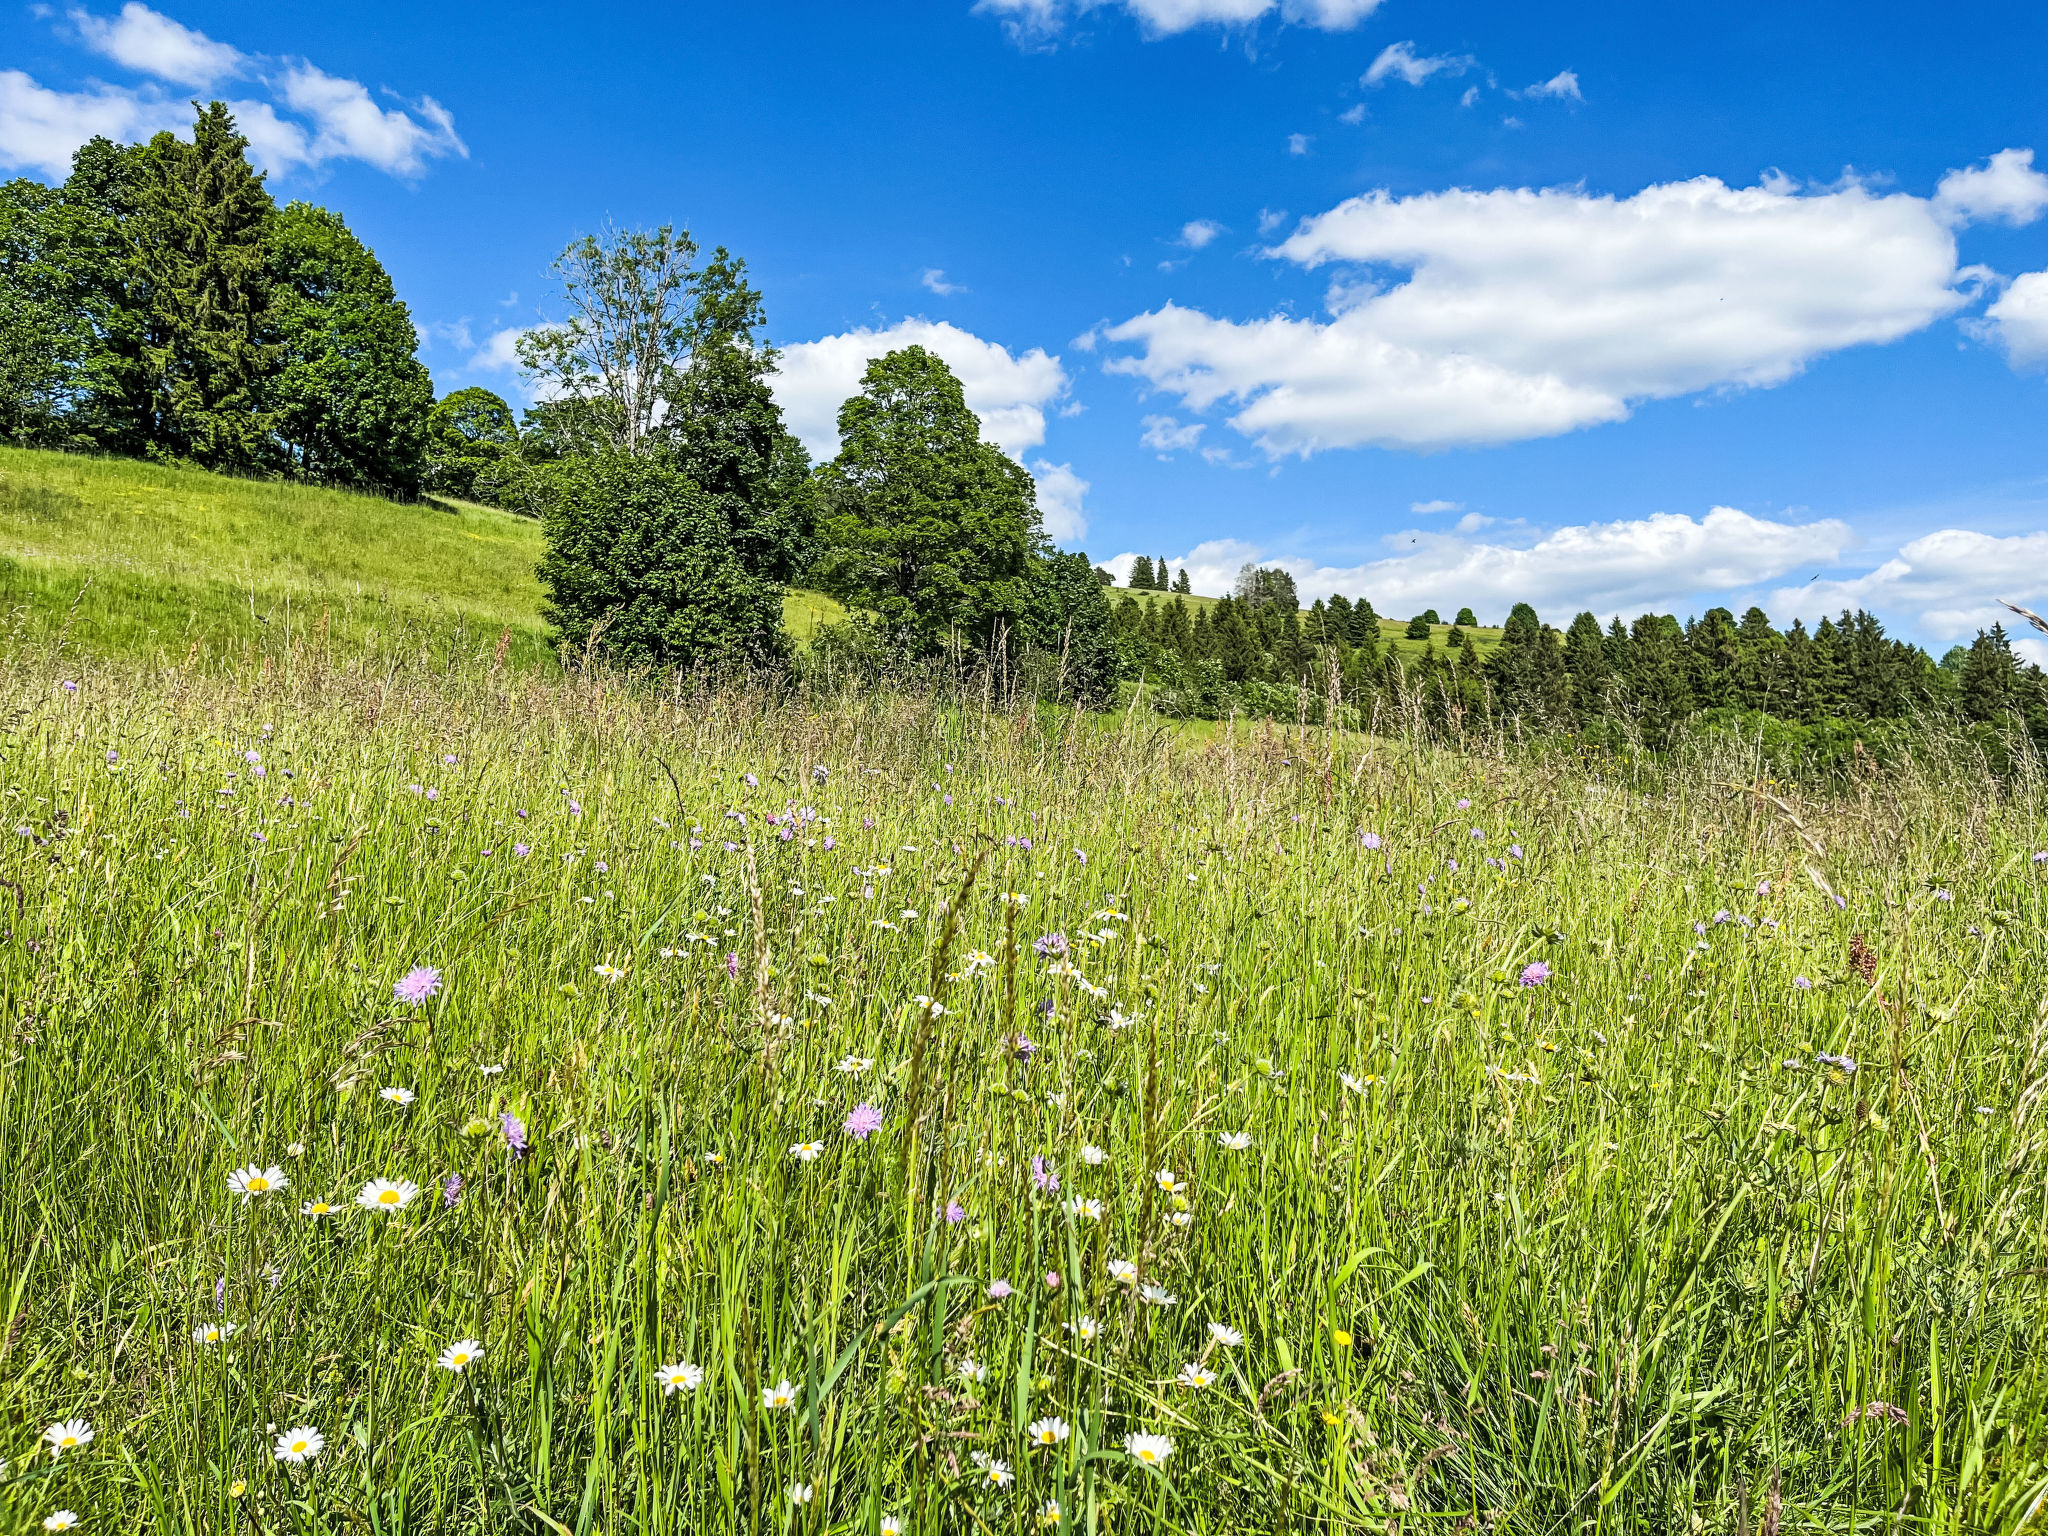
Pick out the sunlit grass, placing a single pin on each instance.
(1554, 1249)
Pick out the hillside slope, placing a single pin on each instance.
(138, 558)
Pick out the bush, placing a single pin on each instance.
(646, 569)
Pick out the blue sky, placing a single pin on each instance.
(1601, 305)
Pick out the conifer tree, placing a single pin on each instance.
(1141, 574)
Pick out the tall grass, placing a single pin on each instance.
(1565, 1206)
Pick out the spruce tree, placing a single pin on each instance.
(1180, 582)
(1585, 662)
(1141, 574)
(201, 254)
(1159, 581)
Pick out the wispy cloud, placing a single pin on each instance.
(1400, 61)
(934, 278)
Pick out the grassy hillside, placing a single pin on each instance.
(126, 557)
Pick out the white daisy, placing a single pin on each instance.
(682, 1377)
(1123, 1271)
(317, 1209)
(1152, 1450)
(60, 1520)
(460, 1356)
(214, 1333)
(1094, 1156)
(1227, 1336)
(853, 1066)
(253, 1180)
(800, 1493)
(387, 1194)
(400, 1096)
(70, 1435)
(1081, 1206)
(807, 1151)
(300, 1445)
(1192, 1375)
(1046, 1431)
(1234, 1141)
(781, 1396)
(997, 1472)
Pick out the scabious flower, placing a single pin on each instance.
(1152, 1450)
(1801, 984)
(388, 1194)
(1050, 946)
(514, 1132)
(451, 1190)
(955, 1213)
(253, 1180)
(862, 1121)
(1369, 841)
(999, 1290)
(1535, 973)
(417, 985)
(680, 1377)
(299, 1446)
(1043, 1176)
(214, 1333)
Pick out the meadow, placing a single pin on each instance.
(449, 1098)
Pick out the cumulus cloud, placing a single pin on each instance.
(152, 44)
(1197, 233)
(1166, 435)
(1427, 507)
(1948, 583)
(1060, 493)
(1038, 21)
(41, 128)
(2018, 319)
(2006, 189)
(1530, 313)
(349, 125)
(1623, 567)
(1298, 143)
(1562, 86)
(1399, 61)
(1009, 393)
(305, 118)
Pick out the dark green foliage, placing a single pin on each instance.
(1180, 582)
(349, 401)
(1141, 573)
(1070, 631)
(1527, 669)
(926, 527)
(200, 243)
(644, 567)
(1419, 627)
(472, 441)
(1465, 619)
(43, 334)
(1159, 581)
(1267, 587)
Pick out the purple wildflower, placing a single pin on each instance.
(220, 1294)
(1025, 1048)
(448, 759)
(575, 805)
(515, 1133)
(1050, 945)
(863, 1121)
(1082, 857)
(949, 799)
(433, 793)
(1514, 850)
(732, 965)
(955, 1213)
(868, 823)
(752, 782)
(1464, 804)
(1535, 973)
(1369, 841)
(1478, 834)
(829, 845)
(68, 687)
(452, 1190)
(520, 850)
(417, 985)
(2041, 857)
(1043, 1176)
(999, 1290)
(1763, 887)
(1801, 984)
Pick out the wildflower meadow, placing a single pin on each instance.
(439, 1099)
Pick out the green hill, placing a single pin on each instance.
(122, 556)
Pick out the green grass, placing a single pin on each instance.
(1578, 1256)
(138, 559)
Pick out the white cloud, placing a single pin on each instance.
(1400, 61)
(1009, 394)
(934, 278)
(2006, 189)
(1197, 233)
(1626, 567)
(349, 125)
(1298, 143)
(1562, 86)
(1948, 581)
(332, 118)
(1271, 219)
(1427, 507)
(1060, 492)
(1530, 313)
(152, 44)
(1470, 97)
(2018, 320)
(1166, 435)
(1353, 115)
(499, 351)
(1037, 21)
(40, 128)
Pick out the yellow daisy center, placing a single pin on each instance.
(387, 1197)
(259, 1183)
(461, 1357)
(298, 1445)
